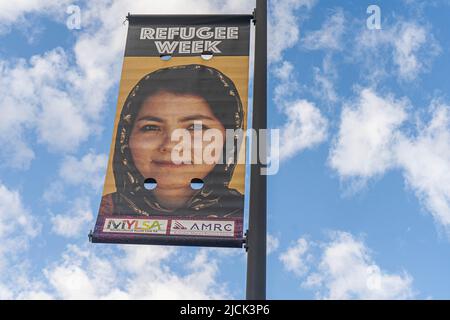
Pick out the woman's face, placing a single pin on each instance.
(150, 140)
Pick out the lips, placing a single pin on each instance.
(167, 164)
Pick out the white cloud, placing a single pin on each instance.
(343, 268)
(347, 271)
(284, 71)
(89, 170)
(61, 124)
(371, 141)
(17, 228)
(71, 225)
(20, 288)
(325, 86)
(294, 259)
(125, 273)
(287, 86)
(54, 193)
(37, 95)
(17, 225)
(425, 160)
(411, 46)
(407, 45)
(305, 129)
(284, 31)
(367, 134)
(272, 244)
(140, 272)
(324, 80)
(330, 35)
(15, 151)
(15, 11)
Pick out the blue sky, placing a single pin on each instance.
(360, 208)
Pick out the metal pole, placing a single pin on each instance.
(257, 234)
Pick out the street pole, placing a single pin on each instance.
(257, 234)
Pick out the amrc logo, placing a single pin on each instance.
(202, 228)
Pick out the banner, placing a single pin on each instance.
(176, 171)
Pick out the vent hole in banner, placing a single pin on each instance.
(197, 184)
(165, 57)
(207, 55)
(150, 184)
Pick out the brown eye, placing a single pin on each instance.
(150, 128)
(195, 127)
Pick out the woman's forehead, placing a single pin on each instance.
(167, 104)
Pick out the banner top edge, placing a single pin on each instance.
(138, 17)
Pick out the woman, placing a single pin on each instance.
(163, 101)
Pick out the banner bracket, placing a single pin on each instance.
(246, 247)
(127, 18)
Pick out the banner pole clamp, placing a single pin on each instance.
(246, 246)
(127, 18)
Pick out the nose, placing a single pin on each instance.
(167, 144)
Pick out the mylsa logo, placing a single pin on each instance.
(135, 226)
(202, 228)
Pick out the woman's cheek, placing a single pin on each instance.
(203, 152)
(201, 171)
(142, 149)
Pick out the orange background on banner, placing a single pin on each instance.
(135, 68)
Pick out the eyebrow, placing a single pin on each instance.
(150, 118)
(185, 119)
(196, 117)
